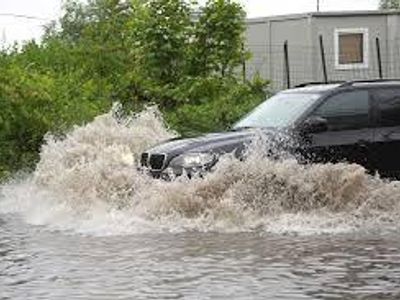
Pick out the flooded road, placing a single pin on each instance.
(36, 263)
(87, 225)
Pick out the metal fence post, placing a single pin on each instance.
(323, 58)
(243, 63)
(287, 67)
(378, 53)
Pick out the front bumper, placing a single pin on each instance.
(172, 173)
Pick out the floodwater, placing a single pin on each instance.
(36, 263)
(86, 225)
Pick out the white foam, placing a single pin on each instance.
(87, 182)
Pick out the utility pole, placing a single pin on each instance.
(317, 5)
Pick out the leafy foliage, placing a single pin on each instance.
(136, 53)
(389, 4)
(163, 32)
(219, 38)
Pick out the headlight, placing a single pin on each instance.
(193, 160)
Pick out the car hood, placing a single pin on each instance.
(223, 142)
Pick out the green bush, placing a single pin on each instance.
(112, 50)
(213, 104)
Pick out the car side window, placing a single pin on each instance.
(346, 111)
(389, 107)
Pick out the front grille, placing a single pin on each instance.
(144, 160)
(156, 161)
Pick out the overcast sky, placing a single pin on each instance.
(14, 28)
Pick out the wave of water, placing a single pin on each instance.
(87, 182)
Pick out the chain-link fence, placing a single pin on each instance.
(288, 65)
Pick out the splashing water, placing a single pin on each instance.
(87, 182)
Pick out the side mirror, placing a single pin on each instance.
(314, 125)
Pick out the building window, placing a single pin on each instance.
(351, 48)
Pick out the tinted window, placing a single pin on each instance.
(346, 111)
(389, 105)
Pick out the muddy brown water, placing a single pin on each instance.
(87, 225)
(36, 263)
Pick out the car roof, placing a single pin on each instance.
(317, 88)
(320, 88)
(377, 83)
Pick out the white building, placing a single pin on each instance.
(349, 40)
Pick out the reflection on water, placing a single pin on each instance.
(36, 263)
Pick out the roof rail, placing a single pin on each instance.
(352, 82)
(346, 83)
(305, 84)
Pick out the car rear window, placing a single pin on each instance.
(389, 106)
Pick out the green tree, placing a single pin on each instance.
(163, 32)
(135, 52)
(219, 38)
(389, 4)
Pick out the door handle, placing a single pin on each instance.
(388, 135)
(363, 143)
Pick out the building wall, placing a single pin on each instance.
(377, 27)
(297, 32)
(257, 43)
(265, 41)
(393, 46)
(266, 37)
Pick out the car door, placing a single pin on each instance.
(386, 146)
(349, 134)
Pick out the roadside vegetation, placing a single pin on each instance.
(389, 4)
(184, 58)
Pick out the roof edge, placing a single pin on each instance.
(351, 13)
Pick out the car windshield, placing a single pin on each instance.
(279, 111)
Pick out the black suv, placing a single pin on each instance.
(356, 121)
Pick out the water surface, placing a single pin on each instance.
(87, 225)
(36, 263)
